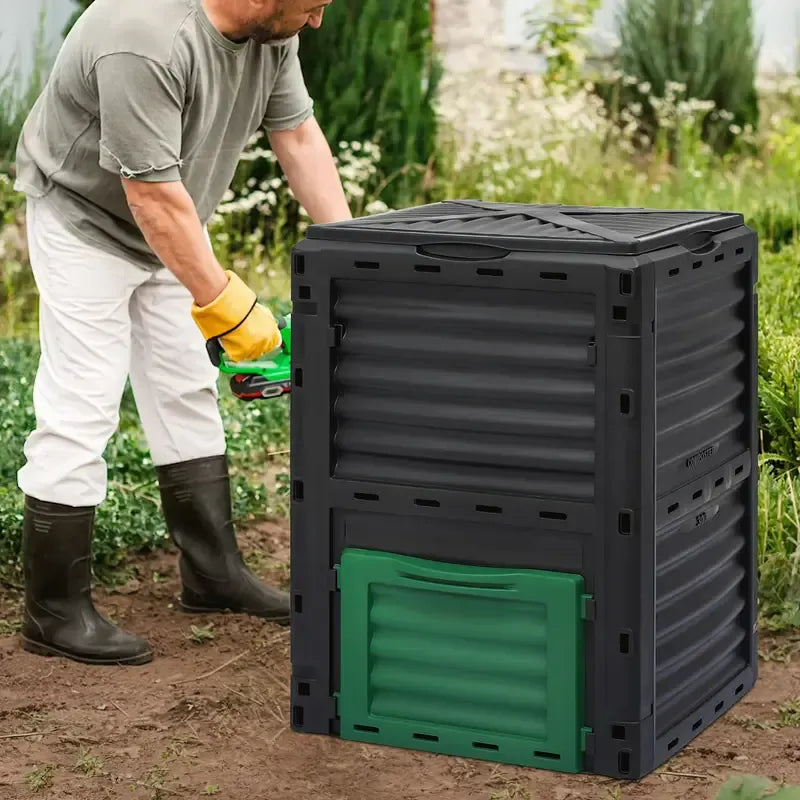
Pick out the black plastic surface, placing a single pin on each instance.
(551, 410)
(621, 231)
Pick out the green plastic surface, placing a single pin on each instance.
(276, 369)
(467, 661)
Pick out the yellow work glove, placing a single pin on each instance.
(246, 329)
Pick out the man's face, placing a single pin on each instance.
(282, 19)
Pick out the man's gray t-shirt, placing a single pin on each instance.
(150, 89)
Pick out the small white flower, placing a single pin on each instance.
(376, 207)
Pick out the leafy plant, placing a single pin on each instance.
(558, 34)
(201, 634)
(779, 397)
(756, 788)
(40, 778)
(89, 764)
(790, 713)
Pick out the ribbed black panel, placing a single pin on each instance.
(702, 378)
(460, 387)
(701, 605)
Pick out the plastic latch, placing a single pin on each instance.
(335, 334)
(588, 608)
(336, 577)
(591, 354)
(587, 740)
(333, 707)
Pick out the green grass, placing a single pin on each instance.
(779, 461)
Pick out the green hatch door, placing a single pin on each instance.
(478, 662)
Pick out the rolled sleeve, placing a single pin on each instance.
(290, 103)
(140, 107)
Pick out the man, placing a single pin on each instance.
(123, 159)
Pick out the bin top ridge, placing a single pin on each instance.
(522, 226)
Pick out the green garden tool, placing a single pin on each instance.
(263, 378)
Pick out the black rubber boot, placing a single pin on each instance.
(60, 618)
(196, 498)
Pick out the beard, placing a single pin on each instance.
(271, 31)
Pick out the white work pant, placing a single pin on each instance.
(104, 319)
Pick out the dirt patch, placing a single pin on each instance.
(209, 718)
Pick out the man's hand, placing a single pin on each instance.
(223, 306)
(245, 329)
(306, 158)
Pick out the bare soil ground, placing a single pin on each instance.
(209, 718)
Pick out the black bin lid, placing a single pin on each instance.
(519, 226)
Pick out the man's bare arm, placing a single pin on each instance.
(307, 161)
(169, 223)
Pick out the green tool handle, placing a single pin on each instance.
(216, 350)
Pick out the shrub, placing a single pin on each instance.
(704, 47)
